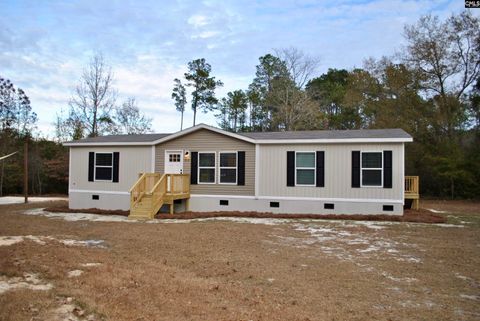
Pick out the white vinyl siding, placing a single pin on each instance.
(133, 160)
(272, 171)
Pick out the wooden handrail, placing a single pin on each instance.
(158, 183)
(140, 179)
(158, 192)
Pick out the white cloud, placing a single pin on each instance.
(198, 21)
(206, 34)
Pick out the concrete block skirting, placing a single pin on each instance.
(288, 206)
(105, 201)
(212, 203)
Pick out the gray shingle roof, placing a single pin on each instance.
(137, 138)
(330, 134)
(256, 136)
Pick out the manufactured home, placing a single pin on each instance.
(204, 168)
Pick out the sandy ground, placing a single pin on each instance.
(20, 199)
(65, 267)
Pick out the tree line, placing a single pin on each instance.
(430, 87)
(48, 170)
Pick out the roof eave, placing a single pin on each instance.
(72, 144)
(334, 141)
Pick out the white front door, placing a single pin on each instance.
(173, 162)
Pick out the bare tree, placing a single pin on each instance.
(129, 120)
(94, 97)
(301, 67)
(288, 94)
(447, 54)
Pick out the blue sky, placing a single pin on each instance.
(44, 45)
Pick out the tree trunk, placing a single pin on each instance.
(194, 107)
(25, 171)
(181, 122)
(1, 177)
(452, 187)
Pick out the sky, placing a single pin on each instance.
(45, 45)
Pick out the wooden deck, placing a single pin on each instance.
(412, 190)
(153, 190)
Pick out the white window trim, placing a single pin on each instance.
(220, 167)
(95, 168)
(314, 168)
(207, 167)
(361, 169)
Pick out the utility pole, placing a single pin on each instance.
(25, 170)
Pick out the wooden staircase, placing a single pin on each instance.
(152, 190)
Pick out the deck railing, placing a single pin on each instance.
(179, 183)
(412, 184)
(412, 190)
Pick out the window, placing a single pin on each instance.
(224, 202)
(228, 168)
(305, 168)
(372, 169)
(174, 158)
(103, 166)
(206, 168)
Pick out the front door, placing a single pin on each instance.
(173, 162)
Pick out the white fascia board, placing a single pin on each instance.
(334, 141)
(108, 144)
(259, 141)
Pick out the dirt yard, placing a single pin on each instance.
(88, 267)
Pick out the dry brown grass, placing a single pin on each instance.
(420, 216)
(417, 216)
(220, 270)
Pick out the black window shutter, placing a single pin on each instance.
(387, 169)
(241, 168)
(116, 164)
(91, 166)
(355, 168)
(193, 169)
(290, 168)
(320, 169)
